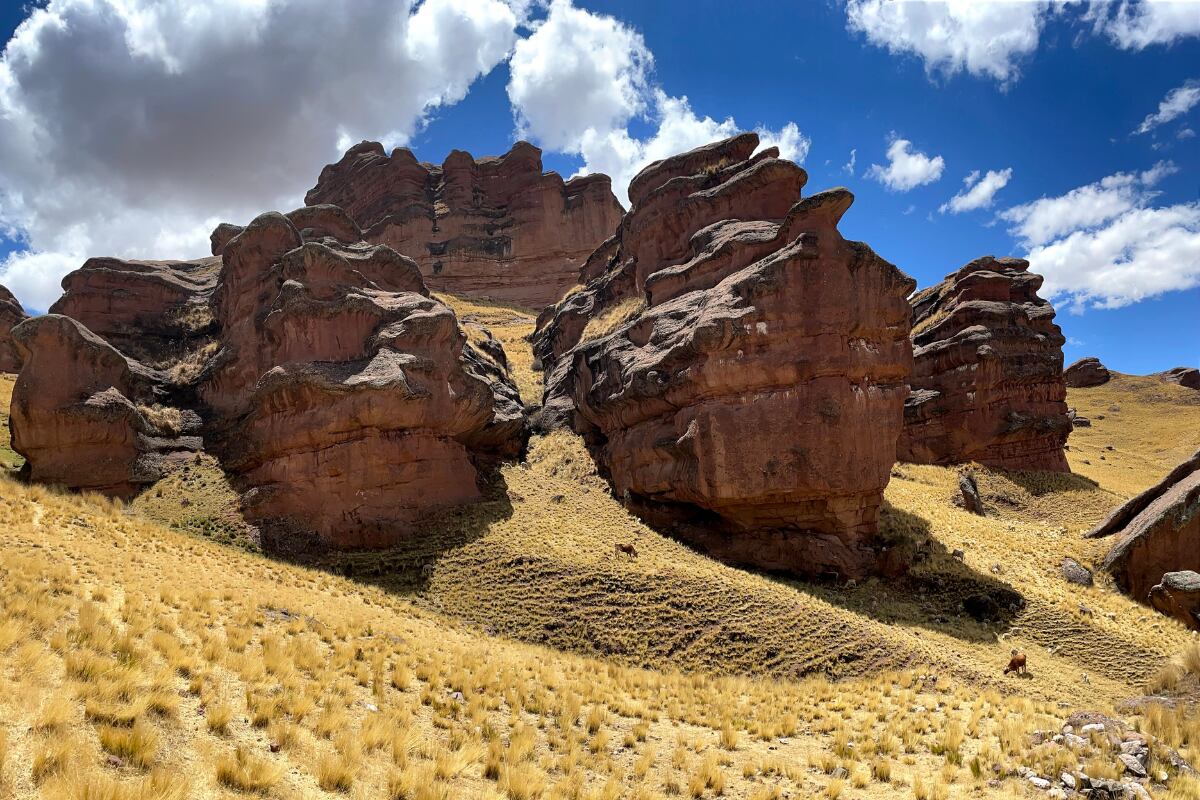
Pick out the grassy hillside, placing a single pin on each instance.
(149, 651)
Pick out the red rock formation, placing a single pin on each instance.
(1086, 372)
(346, 397)
(988, 381)
(11, 315)
(737, 365)
(1178, 596)
(150, 310)
(1187, 377)
(494, 228)
(86, 417)
(1157, 532)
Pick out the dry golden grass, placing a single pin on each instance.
(510, 325)
(211, 671)
(609, 319)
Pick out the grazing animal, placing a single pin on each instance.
(1016, 663)
(627, 549)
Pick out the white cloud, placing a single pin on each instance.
(1186, 133)
(129, 127)
(1103, 245)
(1048, 218)
(1137, 25)
(977, 193)
(849, 165)
(580, 79)
(906, 168)
(1178, 102)
(985, 39)
(1140, 254)
(990, 38)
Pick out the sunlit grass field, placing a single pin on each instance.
(149, 650)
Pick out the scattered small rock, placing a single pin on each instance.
(1132, 765)
(1040, 783)
(1076, 573)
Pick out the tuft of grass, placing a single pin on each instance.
(138, 745)
(245, 772)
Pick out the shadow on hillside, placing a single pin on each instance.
(938, 591)
(407, 568)
(1042, 483)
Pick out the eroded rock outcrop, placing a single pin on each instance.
(346, 398)
(1157, 532)
(1178, 596)
(85, 416)
(1187, 377)
(494, 228)
(737, 367)
(150, 310)
(987, 385)
(11, 315)
(1086, 372)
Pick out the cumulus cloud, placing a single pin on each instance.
(1104, 245)
(1178, 102)
(991, 38)
(977, 193)
(906, 168)
(1048, 218)
(1137, 24)
(579, 80)
(985, 39)
(130, 127)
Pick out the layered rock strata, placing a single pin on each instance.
(737, 366)
(491, 228)
(987, 385)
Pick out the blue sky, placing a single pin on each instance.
(1057, 114)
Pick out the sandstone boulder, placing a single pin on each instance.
(737, 367)
(493, 228)
(1188, 377)
(1157, 532)
(85, 416)
(1086, 372)
(11, 315)
(345, 398)
(1178, 596)
(150, 310)
(987, 385)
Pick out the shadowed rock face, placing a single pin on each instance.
(345, 397)
(83, 414)
(496, 228)
(988, 379)
(149, 310)
(1086, 372)
(1187, 377)
(1178, 596)
(736, 365)
(342, 397)
(1157, 532)
(11, 315)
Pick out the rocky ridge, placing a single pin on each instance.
(738, 367)
(987, 384)
(496, 228)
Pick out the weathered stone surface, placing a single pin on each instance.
(987, 385)
(149, 310)
(11, 315)
(1178, 596)
(968, 494)
(1157, 532)
(1188, 377)
(736, 365)
(1074, 572)
(1086, 372)
(494, 228)
(85, 416)
(346, 398)
(313, 223)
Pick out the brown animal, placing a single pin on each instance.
(627, 549)
(1016, 663)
